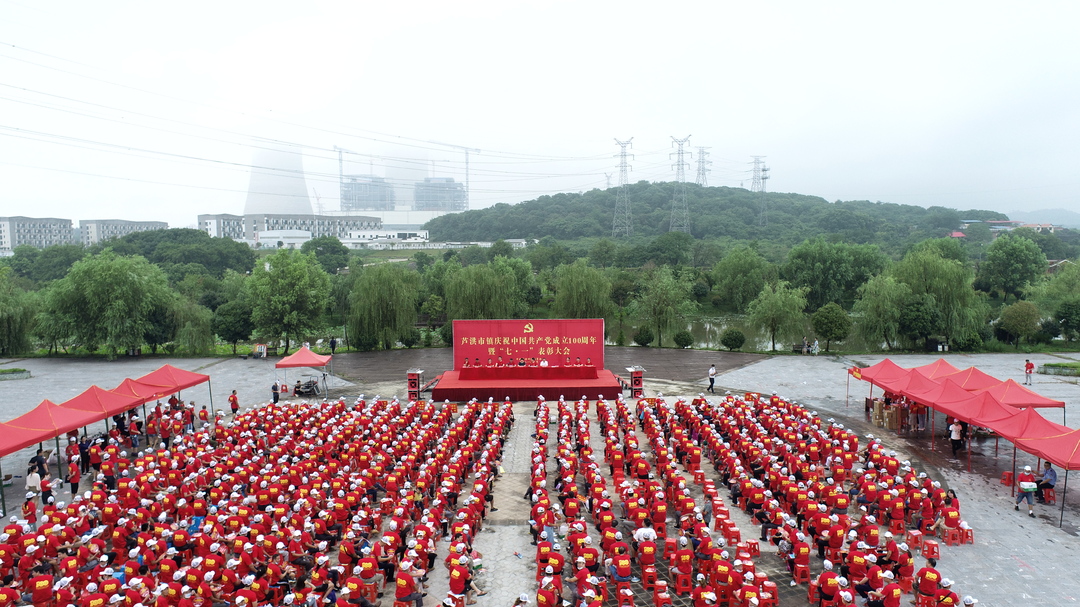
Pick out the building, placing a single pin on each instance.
(439, 194)
(94, 231)
(37, 232)
(277, 184)
(223, 226)
(366, 193)
(318, 225)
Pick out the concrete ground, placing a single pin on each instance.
(1015, 560)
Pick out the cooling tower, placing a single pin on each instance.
(277, 181)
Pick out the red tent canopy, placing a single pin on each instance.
(936, 369)
(1028, 423)
(985, 410)
(947, 391)
(1015, 395)
(303, 357)
(1063, 449)
(52, 420)
(883, 371)
(102, 401)
(916, 383)
(173, 377)
(143, 391)
(13, 438)
(972, 379)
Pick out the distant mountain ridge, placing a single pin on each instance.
(1058, 217)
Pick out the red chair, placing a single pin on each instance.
(624, 593)
(699, 477)
(931, 549)
(649, 577)
(403, 604)
(953, 537)
(768, 597)
(914, 539)
(661, 596)
(906, 584)
(897, 526)
(603, 589)
(812, 593)
(459, 599)
(683, 583)
(732, 535)
(1049, 496)
(968, 535)
(801, 574)
(925, 600)
(1006, 478)
(670, 546)
(753, 547)
(370, 592)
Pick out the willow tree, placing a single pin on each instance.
(383, 305)
(17, 309)
(581, 291)
(289, 293)
(663, 302)
(961, 310)
(480, 292)
(779, 309)
(877, 310)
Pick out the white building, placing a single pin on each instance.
(37, 232)
(100, 230)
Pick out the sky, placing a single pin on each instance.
(138, 110)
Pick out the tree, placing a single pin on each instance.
(878, 309)
(479, 292)
(779, 309)
(194, 335)
(581, 291)
(434, 308)
(383, 306)
(1021, 320)
(500, 248)
(1068, 318)
(831, 323)
(289, 291)
(960, 309)
(17, 309)
(109, 299)
(732, 339)
(833, 271)
(1060, 287)
(232, 321)
(664, 301)
(644, 337)
(328, 250)
(919, 317)
(423, 261)
(739, 277)
(1013, 262)
(683, 339)
(671, 249)
(602, 253)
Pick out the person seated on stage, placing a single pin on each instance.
(533, 363)
(465, 364)
(588, 361)
(521, 362)
(489, 363)
(577, 362)
(500, 362)
(567, 364)
(543, 362)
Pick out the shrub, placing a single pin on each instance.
(620, 340)
(644, 337)
(446, 333)
(410, 338)
(732, 339)
(683, 339)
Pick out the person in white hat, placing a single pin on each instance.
(1028, 486)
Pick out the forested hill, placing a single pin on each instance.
(715, 212)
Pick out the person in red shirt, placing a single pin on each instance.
(1027, 484)
(405, 585)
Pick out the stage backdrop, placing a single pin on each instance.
(553, 339)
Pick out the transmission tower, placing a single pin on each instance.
(680, 212)
(607, 176)
(702, 163)
(623, 224)
(761, 175)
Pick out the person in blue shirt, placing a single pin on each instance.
(1048, 480)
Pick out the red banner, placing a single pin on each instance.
(559, 342)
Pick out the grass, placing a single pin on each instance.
(1063, 365)
(10, 371)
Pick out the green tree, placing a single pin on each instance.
(194, 334)
(739, 277)
(732, 339)
(664, 302)
(1020, 320)
(434, 308)
(479, 292)
(383, 306)
(54, 324)
(1062, 286)
(920, 317)
(232, 321)
(878, 310)
(17, 310)
(833, 271)
(779, 309)
(500, 248)
(602, 253)
(1013, 262)
(960, 309)
(581, 291)
(644, 337)
(683, 339)
(109, 299)
(671, 249)
(328, 250)
(1068, 318)
(832, 323)
(289, 291)
(423, 261)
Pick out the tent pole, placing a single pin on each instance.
(3, 497)
(1064, 488)
(210, 389)
(1012, 490)
(58, 465)
(146, 434)
(847, 391)
(933, 421)
(969, 453)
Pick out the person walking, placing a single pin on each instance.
(712, 378)
(1026, 480)
(1029, 369)
(234, 403)
(956, 435)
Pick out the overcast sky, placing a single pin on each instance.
(148, 110)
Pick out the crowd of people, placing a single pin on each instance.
(284, 504)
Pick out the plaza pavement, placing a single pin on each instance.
(1015, 560)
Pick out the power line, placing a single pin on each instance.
(680, 211)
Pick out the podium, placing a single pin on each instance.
(416, 378)
(637, 381)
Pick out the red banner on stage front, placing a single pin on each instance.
(559, 342)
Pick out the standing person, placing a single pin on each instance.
(234, 403)
(712, 378)
(815, 348)
(275, 391)
(39, 464)
(956, 435)
(1027, 490)
(1029, 369)
(333, 345)
(1048, 480)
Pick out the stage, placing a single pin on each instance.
(455, 389)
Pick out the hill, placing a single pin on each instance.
(715, 212)
(1059, 217)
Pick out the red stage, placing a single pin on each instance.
(556, 342)
(451, 387)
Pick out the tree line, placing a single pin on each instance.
(183, 292)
